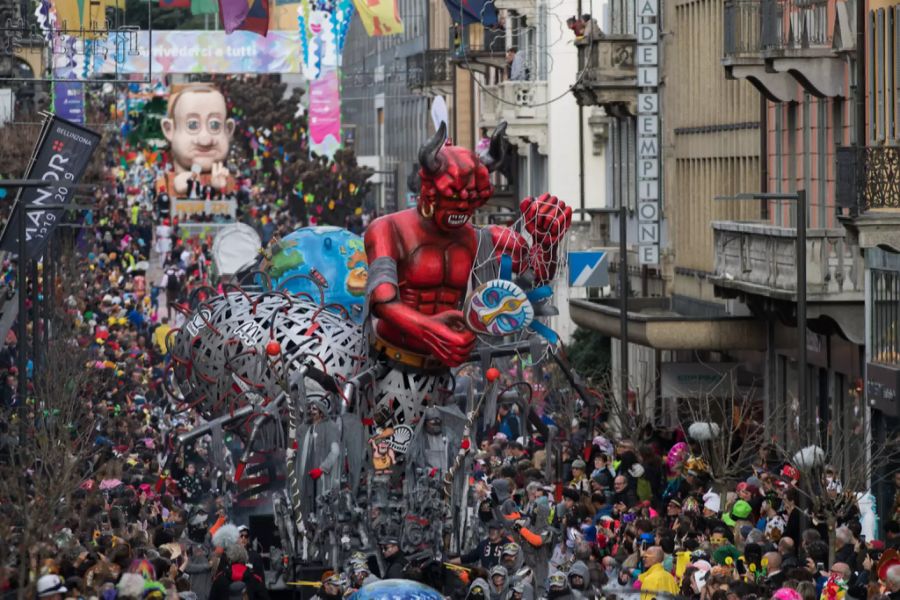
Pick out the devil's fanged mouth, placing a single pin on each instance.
(457, 219)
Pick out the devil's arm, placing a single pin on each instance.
(383, 288)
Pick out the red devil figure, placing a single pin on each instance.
(421, 259)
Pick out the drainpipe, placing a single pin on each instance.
(764, 155)
(581, 145)
(861, 21)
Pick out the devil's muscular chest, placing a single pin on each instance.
(439, 267)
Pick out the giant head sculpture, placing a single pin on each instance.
(199, 134)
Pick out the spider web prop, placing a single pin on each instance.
(492, 270)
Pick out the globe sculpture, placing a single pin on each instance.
(327, 265)
(396, 589)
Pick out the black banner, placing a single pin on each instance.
(63, 153)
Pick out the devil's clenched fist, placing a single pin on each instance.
(547, 219)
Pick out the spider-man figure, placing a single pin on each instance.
(421, 259)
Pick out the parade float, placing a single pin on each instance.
(335, 358)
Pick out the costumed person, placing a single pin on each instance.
(332, 588)
(421, 264)
(499, 583)
(520, 576)
(199, 135)
(318, 464)
(395, 563)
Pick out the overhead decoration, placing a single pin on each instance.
(469, 12)
(323, 29)
(380, 17)
(204, 7)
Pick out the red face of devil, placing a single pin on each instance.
(455, 181)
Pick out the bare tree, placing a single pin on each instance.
(726, 424)
(841, 463)
(47, 451)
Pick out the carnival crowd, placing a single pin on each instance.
(637, 517)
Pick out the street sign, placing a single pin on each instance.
(588, 268)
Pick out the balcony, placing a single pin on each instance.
(758, 258)
(477, 48)
(867, 188)
(608, 74)
(775, 43)
(429, 72)
(526, 8)
(523, 105)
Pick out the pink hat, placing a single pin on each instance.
(786, 594)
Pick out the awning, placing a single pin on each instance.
(652, 323)
(468, 12)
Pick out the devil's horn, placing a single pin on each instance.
(497, 150)
(428, 153)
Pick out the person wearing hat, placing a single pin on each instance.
(570, 497)
(332, 588)
(488, 552)
(520, 577)
(395, 562)
(739, 514)
(558, 587)
(51, 587)
(499, 583)
(360, 573)
(712, 504)
(580, 480)
(256, 560)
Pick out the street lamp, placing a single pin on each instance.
(798, 197)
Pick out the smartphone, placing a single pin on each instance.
(820, 567)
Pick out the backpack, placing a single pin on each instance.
(173, 281)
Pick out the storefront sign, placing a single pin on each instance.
(68, 101)
(648, 168)
(695, 380)
(882, 385)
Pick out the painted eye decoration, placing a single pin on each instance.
(193, 125)
(215, 125)
(499, 308)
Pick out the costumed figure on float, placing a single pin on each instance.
(199, 133)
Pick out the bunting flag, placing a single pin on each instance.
(257, 19)
(247, 15)
(468, 12)
(380, 17)
(174, 3)
(233, 13)
(204, 7)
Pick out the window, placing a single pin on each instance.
(885, 316)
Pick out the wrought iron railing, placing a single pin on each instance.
(804, 24)
(753, 26)
(431, 67)
(868, 178)
(762, 26)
